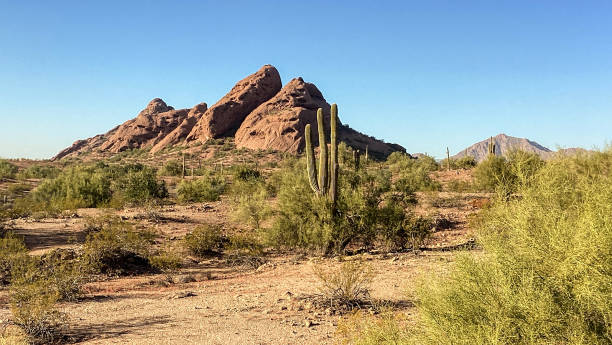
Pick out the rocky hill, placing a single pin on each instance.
(258, 112)
(503, 144)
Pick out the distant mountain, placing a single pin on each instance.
(503, 144)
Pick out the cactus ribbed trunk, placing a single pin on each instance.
(327, 182)
(323, 153)
(491, 147)
(334, 154)
(310, 162)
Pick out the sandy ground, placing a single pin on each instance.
(212, 302)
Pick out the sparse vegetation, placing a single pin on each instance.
(347, 284)
(204, 240)
(545, 274)
(7, 169)
(118, 249)
(206, 188)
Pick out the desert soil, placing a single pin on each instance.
(213, 301)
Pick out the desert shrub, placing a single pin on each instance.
(39, 171)
(347, 284)
(505, 175)
(460, 186)
(365, 207)
(206, 188)
(413, 174)
(12, 252)
(466, 162)
(404, 230)
(62, 271)
(546, 273)
(361, 328)
(204, 240)
(493, 174)
(249, 201)
(245, 243)
(118, 249)
(172, 168)
(7, 169)
(166, 259)
(245, 172)
(19, 189)
(75, 187)
(140, 186)
(32, 303)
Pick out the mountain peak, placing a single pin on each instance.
(503, 144)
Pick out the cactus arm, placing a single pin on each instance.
(334, 154)
(310, 162)
(322, 154)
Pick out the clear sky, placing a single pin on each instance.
(424, 74)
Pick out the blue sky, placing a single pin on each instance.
(424, 74)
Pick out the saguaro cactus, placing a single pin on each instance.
(491, 147)
(447, 158)
(327, 181)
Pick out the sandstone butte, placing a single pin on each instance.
(258, 112)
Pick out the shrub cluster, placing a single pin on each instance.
(205, 188)
(7, 169)
(369, 207)
(505, 175)
(544, 277)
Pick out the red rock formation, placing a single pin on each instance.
(227, 114)
(279, 123)
(181, 131)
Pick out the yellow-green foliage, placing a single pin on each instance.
(206, 188)
(505, 175)
(204, 240)
(140, 186)
(546, 273)
(39, 171)
(413, 174)
(32, 302)
(249, 200)
(367, 208)
(350, 282)
(12, 252)
(7, 169)
(466, 162)
(360, 328)
(172, 168)
(77, 186)
(118, 249)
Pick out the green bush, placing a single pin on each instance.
(140, 186)
(363, 209)
(75, 187)
(204, 240)
(545, 275)
(32, 303)
(118, 249)
(245, 173)
(466, 162)
(206, 188)
(172, 168)
(413, 174)
(249, 201)
(12, 252)
(505, 175)
(7, 169)
(39, 171)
